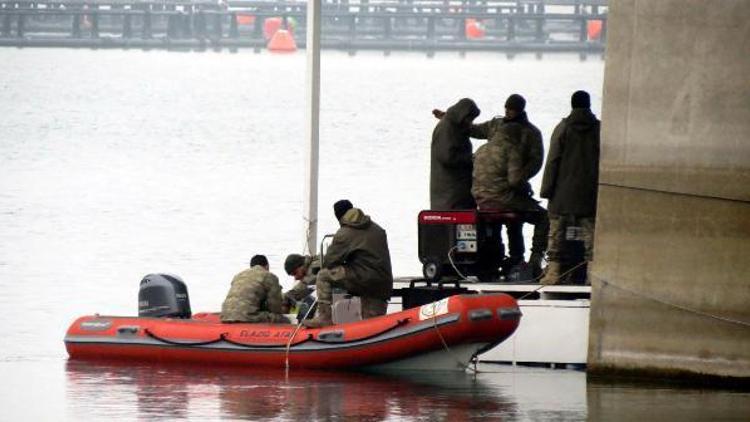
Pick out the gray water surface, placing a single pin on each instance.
(116, 164)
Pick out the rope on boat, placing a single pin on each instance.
(606, 283)
(447, 348)
(180, 343)
(222, 337)
(294, 334)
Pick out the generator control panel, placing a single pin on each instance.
(466, 238)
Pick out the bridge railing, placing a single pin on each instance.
(390, 24)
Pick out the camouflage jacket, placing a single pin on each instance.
(498, 171)
(531, 145)
(302, 288)
(253, 290)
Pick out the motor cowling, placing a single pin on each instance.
(163, 296)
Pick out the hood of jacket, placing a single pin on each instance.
(355, 218)
(581, 119)
(464, 108)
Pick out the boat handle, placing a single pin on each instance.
(324, 338)
(128, 330)
(509, 313)
(480, 314)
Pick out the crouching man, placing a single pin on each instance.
(305, 270)
(255, 296)
(358, 261)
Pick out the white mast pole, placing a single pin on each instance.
(313, 122)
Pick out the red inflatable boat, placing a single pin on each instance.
(445, 334)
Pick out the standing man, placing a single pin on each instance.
(358, 261)
(571, 178)
(499, 183)
(255, 295)
(451, 158)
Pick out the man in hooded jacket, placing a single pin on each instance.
(570, 181)
(358, 260)
(451, 158)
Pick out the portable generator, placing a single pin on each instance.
(470, 239)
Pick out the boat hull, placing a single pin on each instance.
(420, 338)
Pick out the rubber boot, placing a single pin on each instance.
(535, 264)
(552, 274)
(323, 317)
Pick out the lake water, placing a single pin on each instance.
(116, 164)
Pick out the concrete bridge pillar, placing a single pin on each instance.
(671, 272)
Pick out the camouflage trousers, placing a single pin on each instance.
(336, 277)
(264, 316)
(557, 227)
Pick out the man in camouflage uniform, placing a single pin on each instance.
(531, 148)
(358, 260)
(255, 296)
(570, 182)
(305, 270)
(499, 183)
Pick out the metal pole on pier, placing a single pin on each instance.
(313, 122)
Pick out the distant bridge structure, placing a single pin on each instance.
(510, 26)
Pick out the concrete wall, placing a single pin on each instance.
(671, 274)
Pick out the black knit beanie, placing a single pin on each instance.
(341, 207)
(580, 99)
(515, 102)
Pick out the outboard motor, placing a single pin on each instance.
(163, 295)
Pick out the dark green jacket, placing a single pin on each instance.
(451, 159)
(571, 175)
(361, 247)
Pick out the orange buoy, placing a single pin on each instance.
(245, 19)
(282, 42)
(474, 29)
(594, 29)
(270, 26)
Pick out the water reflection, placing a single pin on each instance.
(144, 392)
(663, 400)
(169, 392)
